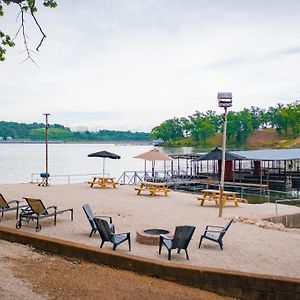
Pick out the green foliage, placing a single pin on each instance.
(50, 3)
(171, 129)
(5, 42)
(57, 132)
(203, 125)
(199, 127)
(54, 134)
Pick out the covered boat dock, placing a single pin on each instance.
(267, 169)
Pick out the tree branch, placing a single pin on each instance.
(24, 36)
(41, 30)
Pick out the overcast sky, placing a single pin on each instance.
(132, 64)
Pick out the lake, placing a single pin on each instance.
(19, 161)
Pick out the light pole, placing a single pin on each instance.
(46, 142)
(225, 100)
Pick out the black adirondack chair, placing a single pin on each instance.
(90, 216)
(215, 233)
(7, 206)
(179, 241)
(107, 236)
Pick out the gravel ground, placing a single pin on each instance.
(28, 274)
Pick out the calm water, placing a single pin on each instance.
(19, 161)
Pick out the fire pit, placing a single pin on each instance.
(150, 236)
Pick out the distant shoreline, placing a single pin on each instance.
(80, 142)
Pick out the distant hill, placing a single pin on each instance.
(11, 131)
(263, 138)
(269, 138)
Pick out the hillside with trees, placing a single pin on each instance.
(57, 132)
(282, 124)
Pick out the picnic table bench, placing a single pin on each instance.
(153, 188)
(214, 195)
(103, 182)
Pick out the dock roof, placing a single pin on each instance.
(270, 154)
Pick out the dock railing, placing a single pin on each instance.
(284, 201)
(35, 177)
(135, 177)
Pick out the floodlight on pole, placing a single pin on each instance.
(225, 100)
(46, 142)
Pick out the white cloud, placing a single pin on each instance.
(140, 62)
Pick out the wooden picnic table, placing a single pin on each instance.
(103, 182)
(214, 195)
(153, 188)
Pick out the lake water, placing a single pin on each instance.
(19, 161)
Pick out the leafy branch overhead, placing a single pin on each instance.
(27, 8)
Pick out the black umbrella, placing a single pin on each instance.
(216, 154)
(104, 154)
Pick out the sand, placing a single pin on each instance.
(247, 247)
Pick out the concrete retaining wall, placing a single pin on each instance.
(228, 283)
(289, 221)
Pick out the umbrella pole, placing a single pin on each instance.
(103, 166)
(153, 164)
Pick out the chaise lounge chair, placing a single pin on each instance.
(180, 240)
(6, 206)
(90, 216)
(215, 233)
(107, 236)
(37, 211)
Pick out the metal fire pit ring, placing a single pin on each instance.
(150, 236)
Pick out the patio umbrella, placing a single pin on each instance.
(154, 155)
(216, 154)
(104, 154)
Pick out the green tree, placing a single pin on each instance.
(244, 128)
(257, 117)
(170, 129)
(231, 125)
(292, 114)
(274, 118)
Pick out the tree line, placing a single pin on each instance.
(285, 119)
(57, 132)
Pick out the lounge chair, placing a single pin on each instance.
(37, 211)
(90, 216)
(215, 233)
(107, 236)
(179, 241)
(6, 206)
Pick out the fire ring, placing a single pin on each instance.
(150, 236)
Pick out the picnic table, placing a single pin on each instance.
(103, 182)
(214, 195)
(153, 188)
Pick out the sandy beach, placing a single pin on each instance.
(247, 247)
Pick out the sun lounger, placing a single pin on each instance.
(37, 211)
(6, 206)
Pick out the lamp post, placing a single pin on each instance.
(225, 100)
(46, 142)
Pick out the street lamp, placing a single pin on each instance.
(46, 142)
(225, 100)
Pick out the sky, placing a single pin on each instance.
(132, 64)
